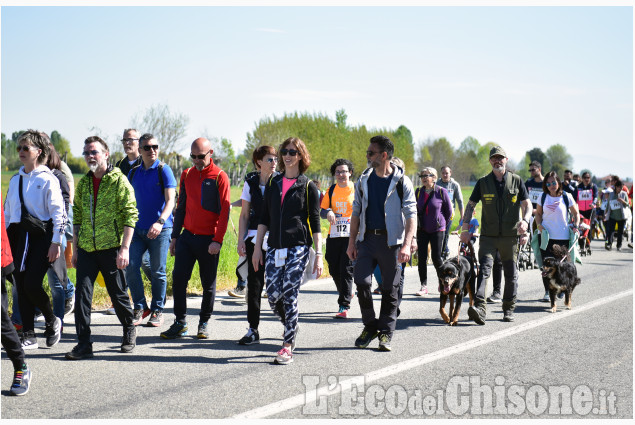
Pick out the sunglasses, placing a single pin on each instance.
(23, 148)
(291, 152)
(423, 176)
(198, 156)
(271, 160)
(551, 184)
(129, 140)
(371, 153)
(148, 147)
(90, 153)
(531, 170)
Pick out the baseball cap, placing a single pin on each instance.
(497, 150)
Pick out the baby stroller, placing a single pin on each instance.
(585, 232)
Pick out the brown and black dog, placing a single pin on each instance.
(562, 276)
(457, 278)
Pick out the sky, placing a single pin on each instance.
(522, 77)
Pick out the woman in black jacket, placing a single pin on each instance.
(291, 214)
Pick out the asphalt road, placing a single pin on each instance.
(571, 364)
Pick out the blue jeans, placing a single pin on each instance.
(158, 252)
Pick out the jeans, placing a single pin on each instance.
(58, 293)
(157, 250)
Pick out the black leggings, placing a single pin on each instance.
(436, 242)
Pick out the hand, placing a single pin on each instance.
(173, 247)
(413, 246)
(213, 248)
(256, 258)
(351, 251)
(331, 218)
(524, 238)
(522, 227)
(540, 227)
(242, 251)
(404, 253)
(465, 237)
(54, 252)
(155, 230)
(318, 266)
(122, 258)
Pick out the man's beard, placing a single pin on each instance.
(500, 169)
(93, 167)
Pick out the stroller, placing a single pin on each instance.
(585, 232)
(526, 258)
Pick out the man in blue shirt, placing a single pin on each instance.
(155, 187)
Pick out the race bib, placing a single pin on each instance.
(341, 228)
(534, 195)
(585, 195)
(616, 205)
(451, 193)
(604, 204)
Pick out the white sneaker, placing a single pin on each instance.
(111, 311)
(284, 356)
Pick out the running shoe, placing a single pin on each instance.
(177, 330)
(29, 341)
(546, 298)
(384, 342)
(494, 298)
(343, 313)
(156, 319)
(423, 292)
(80, 351)
(365, 338)
(21, 381)
(111, 311)
(139, 315)
(251, 337)
(69, 305)
(284, 356)
(129, 341)
(202, 332)
(53, 332)
(238, 292)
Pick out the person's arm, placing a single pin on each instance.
(179, 213)
(243, 222)
(538, 217)
(124, 254)
(459, 199)
(256, 258)
(405, 250)
(314, 222)
(156, 228)
(351, 251)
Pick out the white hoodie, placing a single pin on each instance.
(42, 198)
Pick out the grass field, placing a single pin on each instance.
(228, 260)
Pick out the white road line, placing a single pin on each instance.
(312, 396)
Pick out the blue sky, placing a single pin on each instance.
(523, 77)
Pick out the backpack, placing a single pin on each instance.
(161, 164)
(399, 188)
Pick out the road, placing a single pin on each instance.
(569, 364)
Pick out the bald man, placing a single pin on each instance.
(200, 223)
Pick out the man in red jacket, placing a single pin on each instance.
(10, 339)
(202, 213)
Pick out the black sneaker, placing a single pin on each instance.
(476, 314)
(156, 319)
(129, 341)
(365, 338)
(384, 342)
(177, 330)
(21, 381)
(508, 316)
(81, 351)
(28, 340)
(69, 305)
(251, 337)
(494, 298)
(53, 332)
(139, 314)
(608, 246)
(202, 332)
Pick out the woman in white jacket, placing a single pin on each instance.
(34, 251)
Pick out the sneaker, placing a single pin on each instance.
(494, 298)
(81, 351)
(111, 310)
(129, 341)
(422, 292)
(264, 294)
(156, 319)
(53, 332)
(377, 291)
(284, 356)
(21, 381)
(238, 292)
(29, 341)
(343, 313)
(476, 314)
(508, 316)
(546, 298)
(251, 337)
(202, 332)
(39, 317)
(608, 246)
(365, 338)
(69, 305)
(139, 315)
(561, 295)
(384, 342)
(177, 330)
(619, 249)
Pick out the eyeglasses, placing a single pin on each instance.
(551, 184)
(271, 160)
(148, 147)
(90, 153)
(423, 176)
(371, 153)
(198, 156)
(24, 148)
(291, 152)
(341, 172)
(128, 140)
(531, 170)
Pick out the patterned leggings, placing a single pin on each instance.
(283, 286)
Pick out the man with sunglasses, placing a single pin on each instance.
(130, 141)
(202, 214)
(504, 197)
(155, 188)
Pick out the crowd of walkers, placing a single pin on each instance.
(126, 218)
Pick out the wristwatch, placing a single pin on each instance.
(161, 221)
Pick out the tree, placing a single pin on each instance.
(466, 161)
(167, 127)
(558, 159)
(440, 151)
(62, 145)
(340, 119)
(536, 154)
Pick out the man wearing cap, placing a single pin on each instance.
(504, 198)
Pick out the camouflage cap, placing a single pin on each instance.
(497, 150)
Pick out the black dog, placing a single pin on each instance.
(562, 276)
(456, 280)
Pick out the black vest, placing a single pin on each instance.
(257, 200)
